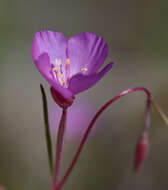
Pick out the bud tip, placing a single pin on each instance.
(141, 152)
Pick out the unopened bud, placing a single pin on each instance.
(60, 100)
(141, 151)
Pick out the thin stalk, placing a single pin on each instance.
(147, 115)
(74, 160)
(59, 146)
(160, 112)
(47, 130)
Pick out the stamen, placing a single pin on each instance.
(62, 79)
(67, 61)
(84, 69)
(61, 75)
(63, 83)
(67, 65)
(55, 69)
(67, 69)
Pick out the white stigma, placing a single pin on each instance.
(58, 62)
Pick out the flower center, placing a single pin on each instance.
(59, 73)
(62, 72)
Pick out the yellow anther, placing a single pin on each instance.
(84, 69)
(63, 83)
(61, 75)
(68, 61)
(67, 65)
(55, 69)
(62, 79)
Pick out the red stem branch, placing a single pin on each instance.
(72, 164)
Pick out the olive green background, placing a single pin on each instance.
(137, 34)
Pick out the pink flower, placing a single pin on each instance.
(69, 66)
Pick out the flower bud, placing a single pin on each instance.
(60, 100)
(141, 151)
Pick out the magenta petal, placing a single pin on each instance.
(44, 67)
(87, 50)
(52, 43)
(80, 82)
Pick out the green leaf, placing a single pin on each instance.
(47, 130)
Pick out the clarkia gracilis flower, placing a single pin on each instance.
(70, 66)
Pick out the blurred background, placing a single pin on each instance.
(136, 32)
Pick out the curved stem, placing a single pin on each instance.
(72, 164)
(147, 115)
(59, 150)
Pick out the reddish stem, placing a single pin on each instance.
(59, 150)
(72, 164)
(147, 115)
